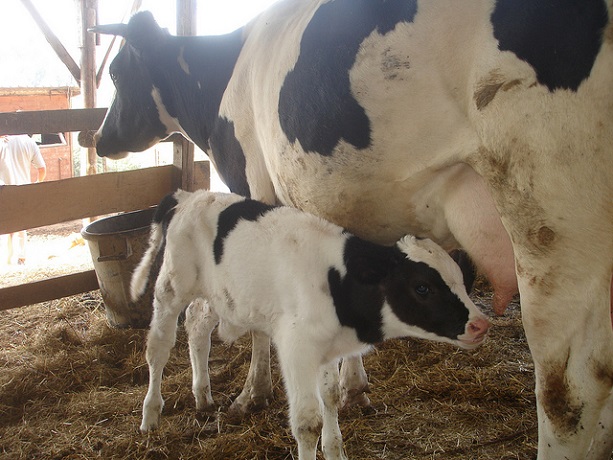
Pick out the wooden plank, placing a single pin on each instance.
(202, 175)
(51, 121)
(36, 205)
(183, 159)
(49, 289)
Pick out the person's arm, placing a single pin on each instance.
(42, 173)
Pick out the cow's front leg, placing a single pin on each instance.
(257, 391)
(354, 383)
(200, 320)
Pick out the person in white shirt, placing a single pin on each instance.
(17, 155)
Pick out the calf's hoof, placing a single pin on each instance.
(242, 407)
(148, 424)
(356, 398)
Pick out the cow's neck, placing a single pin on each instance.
(192, 77)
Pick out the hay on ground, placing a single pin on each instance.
(72, 388)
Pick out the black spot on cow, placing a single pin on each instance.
(250, 210)
(229, 157)
(559, 39)
(316, 106)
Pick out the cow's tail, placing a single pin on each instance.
(157, 241)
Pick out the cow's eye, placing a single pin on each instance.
(422, 290)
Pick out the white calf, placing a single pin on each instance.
(319, 292)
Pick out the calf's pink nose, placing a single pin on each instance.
(478, 327)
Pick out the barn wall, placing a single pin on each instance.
(57, 157)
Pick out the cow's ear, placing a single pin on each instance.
(369, 263)
(142, 32)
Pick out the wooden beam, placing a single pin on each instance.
(55, 43)
(183, 160)
(49, 289)
(186, 17)
(183, 157)
(48, 203)
(51, 121)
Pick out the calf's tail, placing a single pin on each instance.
(157, 241)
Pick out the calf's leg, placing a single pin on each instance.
(331, 437)
(161, 339)
(257, 391)
(354, 383)
(300, 370)
(200, 320)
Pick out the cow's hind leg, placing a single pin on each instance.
(331, 438)
(574, 374)
(602, 446)
(257, 391)
(354, 383)
(161, 339)
(200, 320)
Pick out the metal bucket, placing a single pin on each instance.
(117, 244)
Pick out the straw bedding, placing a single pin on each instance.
(72, 388)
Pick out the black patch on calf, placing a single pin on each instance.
(559, 39)
(418, 296)
(243, 210)
(229, 157)
(165, 210)
(357, 305)
(316, 106)
(357, 296)
(416, 293)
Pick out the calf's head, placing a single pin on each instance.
(413, 289)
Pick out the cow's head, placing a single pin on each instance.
(136, 119)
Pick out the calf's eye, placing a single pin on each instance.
(422, 289)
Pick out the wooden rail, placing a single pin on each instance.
(36, 205)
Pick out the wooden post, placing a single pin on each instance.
(183, 156)
(89, 10)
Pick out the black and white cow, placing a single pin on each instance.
(319, 292)
(486, 125)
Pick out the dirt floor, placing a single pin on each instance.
(71, 387)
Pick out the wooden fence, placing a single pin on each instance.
(36, 205)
